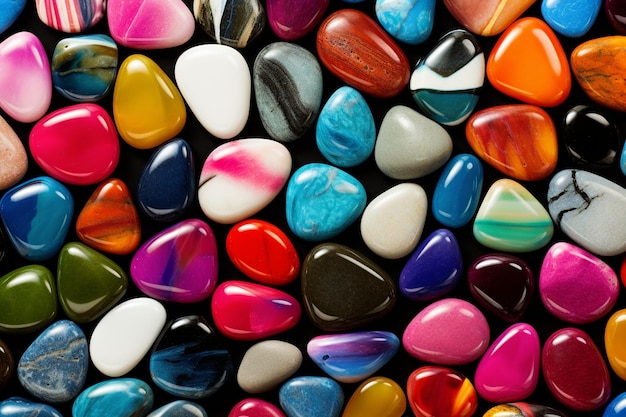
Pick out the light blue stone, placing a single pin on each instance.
(457, 193)
(180, 408)
(571, 18)
(119, 397)
(21, 407)
(54, 367)
(323, 201)
(409, 21)
(617, 407)
(311, 396)
(11, 10)
(346, 132)
(622, 160)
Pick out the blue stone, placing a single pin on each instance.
(617, 407)
(323, 201)
(571, 18)
(188, 359)
(37, 215)
(457, 192)
(167, 185)
(21, 407)
(311, 396)
(346, 132)
(622, 160)
(446, 83)
(409, 21)
(11, 10)
(434, 269)
(119, 397)
(54, 367)
(179, 408)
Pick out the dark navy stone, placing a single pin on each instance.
(180, 408)
(119, 397)
(21, 407)
(311, 396)
(572, 18)
(408, 21)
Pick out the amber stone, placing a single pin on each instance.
(435, 391)
(523, 409)
(487, 17)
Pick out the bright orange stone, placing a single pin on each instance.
(615, 342)
(487, 17)
(529, 64)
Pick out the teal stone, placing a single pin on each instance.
(84, 67)
(311, 396)
(571, 18)
(179, 408)
(21, 407)
(346, 132)
(119, 397)
(409, 21)
(322, 201)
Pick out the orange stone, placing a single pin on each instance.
(519, 140)
(487, 17)
(529, 64)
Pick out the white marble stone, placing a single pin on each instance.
(267, 364)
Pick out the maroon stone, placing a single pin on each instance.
(293, 19)
(616, 14)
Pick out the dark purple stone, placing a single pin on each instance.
(616, 14)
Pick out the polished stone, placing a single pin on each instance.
(70, 16)
(376, 397)
(22, 407)
(121, 397)
(7, 365)
(266, 365)
(622, 160)
(179, 408)
(234, 23)
(615, 342)
(616, 15)
(4, 245)
(437, 391)
(523, 409)
(291, 20)
(13, 157)
(255, 407)
(311, 396)
(12, 10)
(591, 137)
(409, 21)
(616, 407)
(487, 18)
(571, 18)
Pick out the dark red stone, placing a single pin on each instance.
(616, 14)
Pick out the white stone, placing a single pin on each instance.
(267, 364)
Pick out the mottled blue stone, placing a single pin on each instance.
(322, 201)
(11, 10)
(21, 407)
(167, 185)
(617, 407)
(434, 269)
(346, 132)
(409, 21)
(37, 215)
(457, 192)
(119, 397)
(311, 396)
(54, 367)
(572, 18)
(179, 408)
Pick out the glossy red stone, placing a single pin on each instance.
(622, 272)
(616, 14)
(255, 407)
(293, 19)
(358, 51)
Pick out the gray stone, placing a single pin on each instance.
(267, 364)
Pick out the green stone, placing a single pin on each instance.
(89, 283)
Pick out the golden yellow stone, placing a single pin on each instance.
(376, 397)
(615, 342)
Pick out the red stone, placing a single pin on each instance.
(255, 407)
(356, 49)
(622, 272)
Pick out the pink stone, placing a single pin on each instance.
(292, 19)
(509, 370)
(13, 158)
(487, 17)
(254, 407)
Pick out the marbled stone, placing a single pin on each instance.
(7, 366)
(233, 23)
(54, 366)
(354, 48)
(446, 83)
(12, 9)
(311, 396)
(288, 89)
(487, 18)
(70, 16)
(255, 407)
(591, 137)
(376, 397)
(616, 407)
(179, 408)
(615, 342)
(121, 397)
(362, 291)
(589, 209)
(322, 201)
(522, 409)
(291, 19)
(21, 407)
(409, 21)
(188, 359)
(13, 157)
(438, 391)
(616, 14)
(572, 18)
(410, 145)
(267, 364)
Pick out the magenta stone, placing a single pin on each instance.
(292, 19)
(255, 407)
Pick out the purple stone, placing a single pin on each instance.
(292, 19)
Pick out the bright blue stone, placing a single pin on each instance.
(11, 10)
(21, 407)
(179, 408)
(322, 201)
(37, 215)
(311, 396)
(458, 189)
(617, 407)
(119, 397)
(409, 21)
(434, 269)
(346, 133)
(572, 18)
(622, 160)
(54, 367)
(168, 182)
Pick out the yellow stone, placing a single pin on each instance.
(376, 397)
(147, 107)
(615, 342)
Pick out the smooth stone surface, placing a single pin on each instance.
(88, 283)
(408, 21)
(311, 396)
(322, 201)
(13, 157)
(86, 159)
(266, 365)
(179, 264)
(622, 160)
(522, 409)
(487, 18)
(584, 387)
(84, 67)
(446, 83)
(179, 408)
(54, 366)
(12, 10)
(589, 209)
(352, 357)
(572, 18)
(449, 331)
(616, 407)
(376, 397)
(529, 64)
(255, 407)
(591, 137)
(216, 84)
(7, 365)
(188, 359)
(410, 145)
(392, 223)
(615, 342)
(291, 20)
(37, 215)
(615, 11)
(4, 245)
(124, 335)
(343, 290)
(345, 132)
(288, 89)
(70, 16)
(511, 219)
(233, 23)
(122, 397)
(241, 177)
(519, 140)
(249, 311)
(354, 48)
(21, 407)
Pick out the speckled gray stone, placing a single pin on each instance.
(267, 364)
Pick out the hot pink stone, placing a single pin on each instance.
(62, 147)
(575, 285)
(292, 19)
(249, 311)
(509, 370)
(254, 407)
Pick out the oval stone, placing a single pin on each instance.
(378, 396)
(70, 17)
(255, 407)
(570, 18)
(487, 18)
(408, 22)
(438, 391)
(291, 20)
(523, 409)
(20, 407)
(13, 157)
(615, 342)
(311, 396)
(122, 397)
(616, 15)
(616, 406)
(7, 365)
(267, 364)
(233, 24)
(591, 137)
(179, 408)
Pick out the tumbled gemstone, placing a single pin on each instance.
(376, 397)
(293, 19)
(231, 23)
(255, 407)
(179, 408)
(408, 22)
(487, 18)
(71, 17)
(19, 407)
(591, 137)
(616, 14)
(615, 342)
(311, 396)
(522, 409)
(435, 391)
(570, 18)
(7, 365)
(267, 364)
(616, 406)
(13, 157)
(123, 397)
(12, 10)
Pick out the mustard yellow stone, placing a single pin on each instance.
(615, 342)
(376, 397)
(147, 107)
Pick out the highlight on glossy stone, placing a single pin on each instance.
(70, 16)
(231, 23)
(410, 22)
(267, 364)
(522, 409)
(615, 13)
(7, 364)
(311, 396)
(179, 408)
(255, 407)
(376, 397)
(13, 157)
(118, 396)
(18, 406)
(291, 20)
(616, 406)
(570, 18)
(615, 342)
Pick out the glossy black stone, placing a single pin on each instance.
(7, 364)
(3, 244)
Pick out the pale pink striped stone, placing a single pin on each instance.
(70, 16)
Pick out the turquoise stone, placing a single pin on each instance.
(84, 67)
(322, 201)
(571, 18)
(346, 132)
(21, 407)
(311, 396)
(119, 397)
(409, 21)
(37, 215)
(179, 408)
